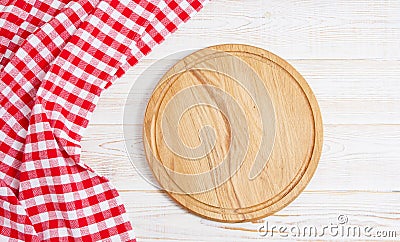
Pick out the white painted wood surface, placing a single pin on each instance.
(348, 51)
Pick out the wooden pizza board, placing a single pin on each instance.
(233, 133)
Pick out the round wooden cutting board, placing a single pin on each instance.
(233, 133)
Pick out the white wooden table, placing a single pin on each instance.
(348, 51)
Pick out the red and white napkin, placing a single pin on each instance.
(56, 57)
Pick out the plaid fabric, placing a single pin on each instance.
(19, 19)
(56, 58)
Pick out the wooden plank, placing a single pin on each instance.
(348, 91)
(354, 157)
(295, 29)
(157, 218)
(345, 111)
(330, 79)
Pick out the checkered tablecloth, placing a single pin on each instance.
(56, 57)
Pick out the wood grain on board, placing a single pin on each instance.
(264, 144)
(349, 53)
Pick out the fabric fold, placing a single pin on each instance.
(21, 78)
(19, 19)
(46, 104)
